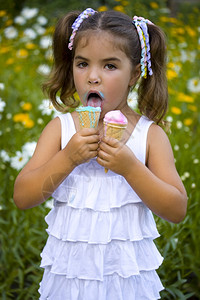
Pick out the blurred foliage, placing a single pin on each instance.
(25, 58)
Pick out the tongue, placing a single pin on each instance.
(94, 102)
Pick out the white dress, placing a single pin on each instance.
(100, 244)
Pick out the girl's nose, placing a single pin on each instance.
(94, 81)
(94, 78)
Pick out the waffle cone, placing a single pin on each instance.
(88, 119)
(115, 131)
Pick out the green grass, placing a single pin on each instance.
(22, 234)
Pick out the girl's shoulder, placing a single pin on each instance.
(51, 134)
(158, 146)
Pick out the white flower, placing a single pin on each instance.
(40, 30)
(30, 33)
(20, 20)
(44, 69)
(21, 158)
(29, 13)
(2, 105)
(11, 32)
(165, 10)
(196, 161)
(179, 124)
(188, 56)
(45, 42)
(169, 119)
(2, 86)
(29, 148)
(5, 157)
(183, 45)
(42, 20)
(40, 121)
(17, 162)
(176, 147)
(193, 185)
(45, 107)
(49, 204)
(132, 99)
(49, 54)
(193, 85)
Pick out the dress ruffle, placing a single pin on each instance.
(131, 222)
(94, 261)
(144, 286)
(111, 192)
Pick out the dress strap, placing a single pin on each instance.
(138, 139)
(67, 128)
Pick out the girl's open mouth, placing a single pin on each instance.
(95, 99)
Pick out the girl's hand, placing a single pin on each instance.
(116, 156)
(82, 146)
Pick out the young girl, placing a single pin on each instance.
(101, 229)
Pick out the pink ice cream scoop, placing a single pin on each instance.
(114, 125)
(115, 117)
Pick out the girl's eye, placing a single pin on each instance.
(82, 65)
(110, 67)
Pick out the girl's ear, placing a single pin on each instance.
(135, 75)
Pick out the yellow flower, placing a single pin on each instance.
(50, 29)
(10, 61)
(192, 107)
(171, 74)
(173, 20)
(119, 8)
(178, 30)
(175, 110)
(4, 49)
(24, 119)
(22, 53)
(190, 31)
(102, 8)
(30, 46)
(21, 117)
(27, 106)
(125, 3)
(185, 98)
(188, 122)
(8, 22)
(18, 68)
(164, 19)
(154, 5)
(2, 13)
(76, 96)
(28, 123)
(171, 91)
(171, 65)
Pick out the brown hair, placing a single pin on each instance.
(152, 91)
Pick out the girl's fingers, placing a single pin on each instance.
(110, 141)
(104, 156)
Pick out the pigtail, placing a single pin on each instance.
(61, 77)
(152, 91)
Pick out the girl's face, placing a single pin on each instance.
(102, 72)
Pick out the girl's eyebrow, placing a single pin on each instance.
(104, 60)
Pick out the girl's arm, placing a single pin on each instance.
(157, 184)
(50, 165)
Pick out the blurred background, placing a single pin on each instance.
(26, 29)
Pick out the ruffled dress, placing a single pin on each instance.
(100, 244)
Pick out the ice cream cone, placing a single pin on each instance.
(114, 129)
(88, 116)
